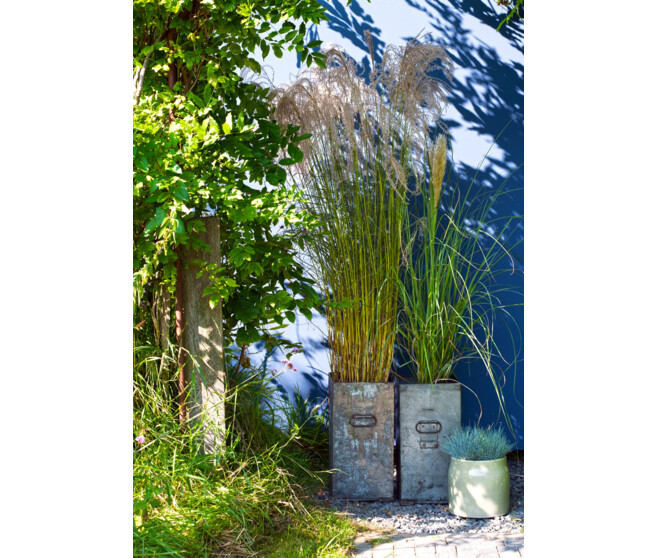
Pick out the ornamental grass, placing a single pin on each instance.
(452, 281)
(368, 141)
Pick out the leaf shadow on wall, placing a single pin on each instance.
(351, 22)
(487, 95)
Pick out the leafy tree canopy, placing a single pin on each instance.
(203, 142)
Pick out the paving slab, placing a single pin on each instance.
(446, 551)
(445, 546)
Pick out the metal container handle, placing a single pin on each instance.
(428, 427)
(360, 421)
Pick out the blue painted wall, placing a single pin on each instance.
(485, 116)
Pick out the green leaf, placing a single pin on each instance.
(142, 164)
(236, 256)
(291, 316)
(247, 214)
(295, 153)
(150, 226)
(207, 93)
(319, 59)
(215, 300)
(196, 100)
(228, 124)
(310, 293)
(180, 191)
(159, 216)
(247, 336)
(307, 313)
(253, 65)
(301, 138)
(314, 44)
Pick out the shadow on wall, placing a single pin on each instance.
(486, 99)
(487, 96)
(312, 369)
(352, 22)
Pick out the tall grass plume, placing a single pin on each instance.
(368, 142)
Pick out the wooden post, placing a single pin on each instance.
(203, 340)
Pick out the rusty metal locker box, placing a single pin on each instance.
(361, 433)
(428, 413)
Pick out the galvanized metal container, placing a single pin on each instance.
(361, 440)
(428, 413)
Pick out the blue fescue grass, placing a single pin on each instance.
(473, 443)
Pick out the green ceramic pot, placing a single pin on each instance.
(478, 489)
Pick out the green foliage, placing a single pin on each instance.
(307, 424)
(203, 142)
(322, 534)
(251, 499)
(477, 444)
(452, 278)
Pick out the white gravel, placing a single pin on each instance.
(435, 518)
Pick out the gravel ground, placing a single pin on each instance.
(435, 518)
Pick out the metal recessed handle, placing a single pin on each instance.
(357, 421)
(428, 427)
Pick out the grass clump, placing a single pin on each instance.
(365, 143)
(474, 443)
(253, 497)
(456, 279)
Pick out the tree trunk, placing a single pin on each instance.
(203, 340)
(161, 314)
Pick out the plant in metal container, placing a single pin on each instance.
(450, 285)
(364, 145)
(478, 477)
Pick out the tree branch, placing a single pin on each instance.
(138, 78)
(138, 81)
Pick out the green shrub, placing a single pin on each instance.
(307, 424)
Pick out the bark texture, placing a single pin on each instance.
(203, 341)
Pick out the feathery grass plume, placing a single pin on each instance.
(368, 143)
(438, 169)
